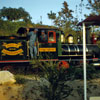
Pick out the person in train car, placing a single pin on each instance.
(43, 36)
(32, 43)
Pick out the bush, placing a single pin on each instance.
(78, 72)
(20, 80)
(57, 77)
(10, 28)
(59, 89)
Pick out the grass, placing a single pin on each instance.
(22, 79)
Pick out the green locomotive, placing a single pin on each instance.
(15, 49)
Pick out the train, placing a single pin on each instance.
(15, 49)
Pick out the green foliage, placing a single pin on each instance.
(64, 16)
(98, 42)
(65, 20)
(78, 72)
(20, 80)
(10, 28)
(94, 6)
(13, 14)
(57, 77)
(51, 15)
(36, 63)
(10, 20)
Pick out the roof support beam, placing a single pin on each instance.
(84, 61)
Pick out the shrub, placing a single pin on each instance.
(20, 80)
(78, 72)
(59, 90)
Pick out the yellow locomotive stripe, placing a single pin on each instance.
(4, 51)
(47, 49)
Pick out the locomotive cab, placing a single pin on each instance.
(49, 40)
(48, 49)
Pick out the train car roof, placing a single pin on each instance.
(91, 20)
(22, 30)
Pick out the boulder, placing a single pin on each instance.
(6, 77)
(35, 90)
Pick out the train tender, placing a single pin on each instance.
(15, 49)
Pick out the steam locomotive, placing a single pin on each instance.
(15, 49)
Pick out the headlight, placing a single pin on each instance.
(62, 38)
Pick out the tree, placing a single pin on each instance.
(63, 19)
(51, 15)
(94, 5)
(65, 15)
(13, 14)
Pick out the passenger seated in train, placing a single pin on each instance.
(43, 36)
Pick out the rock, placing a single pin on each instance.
(6, 77)
(35, 90)
(93, 89)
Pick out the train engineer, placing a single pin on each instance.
(32, 43)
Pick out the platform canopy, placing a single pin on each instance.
(91, 20)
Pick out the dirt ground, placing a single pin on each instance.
(11, 92)
(31, 90)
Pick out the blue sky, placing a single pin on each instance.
(37, 8)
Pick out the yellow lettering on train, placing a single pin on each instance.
(47, 49)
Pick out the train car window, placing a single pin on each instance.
(51, 37)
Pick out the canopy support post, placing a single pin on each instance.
(84, 61)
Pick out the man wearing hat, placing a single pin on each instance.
(32, 43)
(43, 36)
